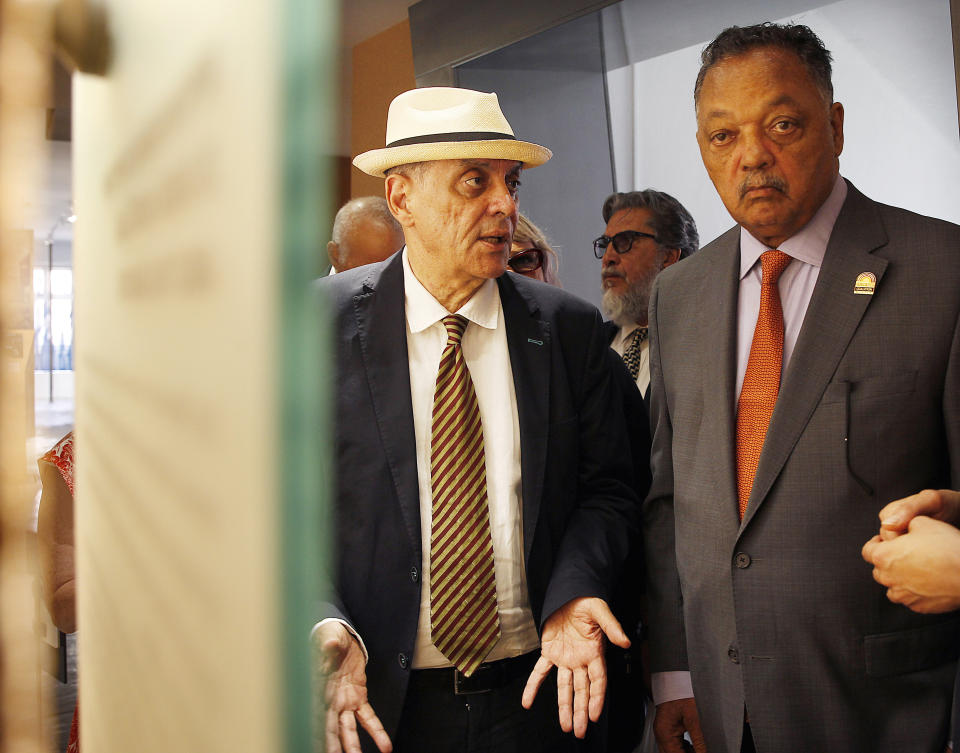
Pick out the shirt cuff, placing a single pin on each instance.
(349, 627)
(670, 686)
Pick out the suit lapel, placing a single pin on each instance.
(528, 341)
(832, 317)
(381, 325)
(720, 283)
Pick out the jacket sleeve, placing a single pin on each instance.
(606, 514)
(668, 651)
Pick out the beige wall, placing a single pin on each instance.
(382, 68)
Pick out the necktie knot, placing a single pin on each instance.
(773, 263)
(455, 325)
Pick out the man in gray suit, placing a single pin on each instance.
(805, 371)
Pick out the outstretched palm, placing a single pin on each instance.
(573, 642)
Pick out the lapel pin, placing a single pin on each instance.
(866, 283)
(535, 342)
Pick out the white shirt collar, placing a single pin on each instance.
(810, 244)
(423, 310)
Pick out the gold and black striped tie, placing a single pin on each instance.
(463, 592)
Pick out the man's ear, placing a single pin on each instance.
(671, 257)
(333, 251)
(836, 125)
(398, 189)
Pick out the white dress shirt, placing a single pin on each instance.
(620, 343)
(796, 286)
(488, 359)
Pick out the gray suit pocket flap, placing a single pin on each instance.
(884, 385)
(888, 654)
(878, 386)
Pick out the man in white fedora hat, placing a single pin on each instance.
(484, 500)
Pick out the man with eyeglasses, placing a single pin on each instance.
(646, 232)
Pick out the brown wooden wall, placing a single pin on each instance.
(382, 68)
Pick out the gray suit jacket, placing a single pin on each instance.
(779, 614)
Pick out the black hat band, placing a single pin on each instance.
(431, 138)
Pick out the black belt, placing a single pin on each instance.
(488, 676)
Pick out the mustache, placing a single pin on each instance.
(612, 272)
(761, 181)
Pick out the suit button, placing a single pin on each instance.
(414, 574)
(734, 655)
(402, 658)
(743, 560)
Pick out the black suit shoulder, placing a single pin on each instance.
(344, 285)
(551, 301)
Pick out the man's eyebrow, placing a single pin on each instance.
(716, 114)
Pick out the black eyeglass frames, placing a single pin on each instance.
(527, 260)
(622, 242)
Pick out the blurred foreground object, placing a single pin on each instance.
(24, 91)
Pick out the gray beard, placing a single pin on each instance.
(629, 307)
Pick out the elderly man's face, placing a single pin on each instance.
(463, 215)
(639, 265)
(769, 141)
(627, 278)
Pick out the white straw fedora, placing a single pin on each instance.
(442, 122)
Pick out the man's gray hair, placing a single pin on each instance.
(797, 38)
(412, 170)
(361, 211)
(672, 223)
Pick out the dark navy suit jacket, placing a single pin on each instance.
(579, 506)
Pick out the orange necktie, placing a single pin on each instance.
(761, 382)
